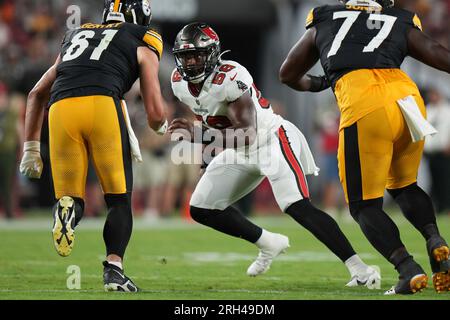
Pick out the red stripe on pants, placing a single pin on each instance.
(293, 162)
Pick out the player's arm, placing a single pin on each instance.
(428, 51)
(31, 164)
(151, 89)
(37, 101)
(242, 132)
(242, 115)
(302, 57)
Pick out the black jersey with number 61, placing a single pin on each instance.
(351, 37)
(101, 59)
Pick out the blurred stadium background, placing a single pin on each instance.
(259, 34)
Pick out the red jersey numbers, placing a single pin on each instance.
(263, 102)
(219, 77)
(226, 68)
(176, 77)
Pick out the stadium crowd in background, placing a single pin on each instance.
(29, 45)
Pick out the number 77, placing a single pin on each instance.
(350, 18)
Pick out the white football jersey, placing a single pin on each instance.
(228, 82)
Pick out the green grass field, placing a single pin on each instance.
(173, 259)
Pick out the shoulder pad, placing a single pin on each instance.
(316, 15)
(237, 81)
(154, 40)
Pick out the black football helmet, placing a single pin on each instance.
(132, 11)
(383, 3)
(196, 51)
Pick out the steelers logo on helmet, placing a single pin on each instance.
(383, 3)
(132, 11)
(196, 51)
(146, 7)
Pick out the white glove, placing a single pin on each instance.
(162, 130)
(31, 164)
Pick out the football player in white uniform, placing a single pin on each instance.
(257, 144)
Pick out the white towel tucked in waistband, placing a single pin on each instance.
(134, 143)
(306, 158)
(418, 126)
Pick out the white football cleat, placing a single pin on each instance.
(370, 278)
(278, 245)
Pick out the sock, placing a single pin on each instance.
(116, 263)
(377, 226)
(417, 207)
(355, 265)
(322, 226)
(265, 240)
(229, 221)
(118, 224)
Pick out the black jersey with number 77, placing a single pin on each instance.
(101, 59)
(351, 37)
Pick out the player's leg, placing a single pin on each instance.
(416, 205)
(69, 163)
(225, 182)
(365, 153)
(287, 177)
(110, 150)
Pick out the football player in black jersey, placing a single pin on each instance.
(361, 45)
(97, 65)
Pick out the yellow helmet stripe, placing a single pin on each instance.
(116, 5)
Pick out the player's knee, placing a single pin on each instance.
(304, 206)
(361, 207)
(395, 193)
(119, 201)
(200, 215)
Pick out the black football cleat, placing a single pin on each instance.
(439, 252)
(411, 280)
(115, 280)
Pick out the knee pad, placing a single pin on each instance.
(358, 207)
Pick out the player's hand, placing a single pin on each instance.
(31, 164)
(184, 127)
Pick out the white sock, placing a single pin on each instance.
(264, 240)
(116, 263)
(355, 265)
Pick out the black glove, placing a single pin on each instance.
(319, 83)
